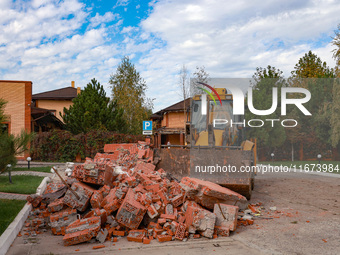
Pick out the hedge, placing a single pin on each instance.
(61, 145)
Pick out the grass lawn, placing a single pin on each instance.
(326, 166)
(8, 211)
(22, 184)
(45, 169)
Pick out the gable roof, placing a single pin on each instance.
(67, 93)
(179, 106)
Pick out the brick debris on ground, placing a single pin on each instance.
(120, 193)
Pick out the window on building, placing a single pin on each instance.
(4, 127)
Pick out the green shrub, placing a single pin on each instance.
(61, 145)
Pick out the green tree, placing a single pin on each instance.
(311, 66)
(336, 51)
(128, 90)
(10, 145)
(200, 75)
(92, 110)
(335, 115)
(2, 114)
(264, 80)
(313, 74)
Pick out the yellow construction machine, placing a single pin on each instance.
(216, 147)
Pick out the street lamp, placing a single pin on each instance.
(9, 173)
(28, 161)
(319, 157)
(272, 155)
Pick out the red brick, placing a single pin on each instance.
(169, 209)
(98, 247)
(118, 233)
(131, 212)
(146, 241)
(152, 212)
(177, 200)
(56, 206)
(136, 236)
(152, 225)
(117, 148)
(200, 219)
(93, 173)
(163, 197)
(169, 217)
(53, 187)
(111, 203)
(222, 231)
(158, 231)
(145, 168)
(102, 214)
(146, 199)
(180, 231)
(35, 200)
(169, 232)
(208, 194)
(96, 199)
(164, 238)
(82, 231)
(84, 192)
(139, 188)
(105, 190)
(153, 187)
(60, 220)
(161, 221)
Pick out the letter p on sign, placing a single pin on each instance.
(147, 127)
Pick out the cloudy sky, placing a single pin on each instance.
(52, 42)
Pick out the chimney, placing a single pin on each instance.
(72, 84)
(78, 90)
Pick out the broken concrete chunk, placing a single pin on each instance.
(56, 206)
(102, 234)
(83, 191)
(226, 216)
(34, 199)
(60, 220)
(131, 212)
(82, 231)
(208, 194)
(136, 235)
(202, 220)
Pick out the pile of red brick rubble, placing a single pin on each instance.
(119, 193)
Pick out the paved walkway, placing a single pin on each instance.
(4, 195)
(32, 173)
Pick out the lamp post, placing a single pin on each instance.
(272, 155)
(319, 157)
(9, 173)
(28, 161)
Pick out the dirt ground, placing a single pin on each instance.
(306, 221)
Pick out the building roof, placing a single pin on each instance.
(59, 94)
(37, 110)
(179, 106)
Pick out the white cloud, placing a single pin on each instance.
(232, 38)
(121, 3)
(52, 42)
(99, 19)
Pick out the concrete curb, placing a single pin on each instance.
(8, 237)
(43, 185)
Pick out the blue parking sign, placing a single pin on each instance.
(147, 126)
